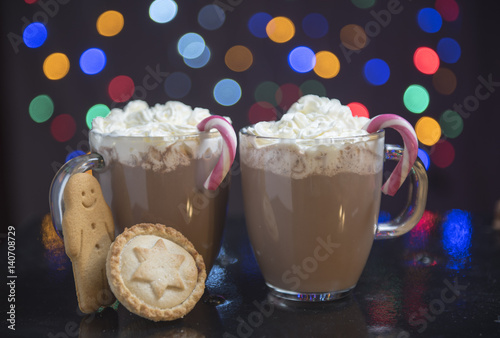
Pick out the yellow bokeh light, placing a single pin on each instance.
(327, 65)
(56, 66)
(110, 23)
(280, 29)
(428, 130)
(238, 58)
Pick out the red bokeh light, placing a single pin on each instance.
(63, 127)
(287, 94)
(443, 154)
(448, 9)
(262, 111)
(426, 60)
(121, 88)
(358, 109)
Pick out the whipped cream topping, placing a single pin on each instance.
(138, 119)
(308, 140)
(161, 137)
(313, 117)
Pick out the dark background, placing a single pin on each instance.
(30, 154)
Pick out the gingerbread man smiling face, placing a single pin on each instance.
(89, 198)
(83, 190)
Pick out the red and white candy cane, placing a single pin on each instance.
(407, 132)
(228, 149)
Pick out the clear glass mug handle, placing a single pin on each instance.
(417, 198)
(76, 165)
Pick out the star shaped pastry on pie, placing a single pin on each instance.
(159, 267)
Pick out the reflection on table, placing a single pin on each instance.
(439, 279)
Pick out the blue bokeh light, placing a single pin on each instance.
(227, 92)
(384, 216)
(449, 50)
(92, 61)
(177, 85)
(211, 17)
(200, 61)
(73, 154)
(457, 233)
(429, 20)
(163, 11)
(376, 72)
(191, 45)
(424, 157)
(302, 59)
(315, 25)
(257, 24)
(34, 35)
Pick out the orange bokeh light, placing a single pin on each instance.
(238, 58)
(327, 65)
(280, 29)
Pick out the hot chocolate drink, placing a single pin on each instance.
(138, 193)
(156, 163)
(311, 188)
(313, 232)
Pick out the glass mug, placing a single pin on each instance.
(312, 216)
(164, 184)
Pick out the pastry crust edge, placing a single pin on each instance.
(132, 302)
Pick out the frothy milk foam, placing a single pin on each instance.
(166, 129)
(299, 143)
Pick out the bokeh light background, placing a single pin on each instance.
(69, 62)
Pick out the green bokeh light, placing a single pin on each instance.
(95, 111)
(451, 123)
(41, 108)
(313, 87)
(266, 91)
(363, 4)
(416, 99)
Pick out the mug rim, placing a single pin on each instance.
(367, 137)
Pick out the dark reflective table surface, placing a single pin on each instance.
(439, 280)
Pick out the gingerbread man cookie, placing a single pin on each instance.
(88, 231)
